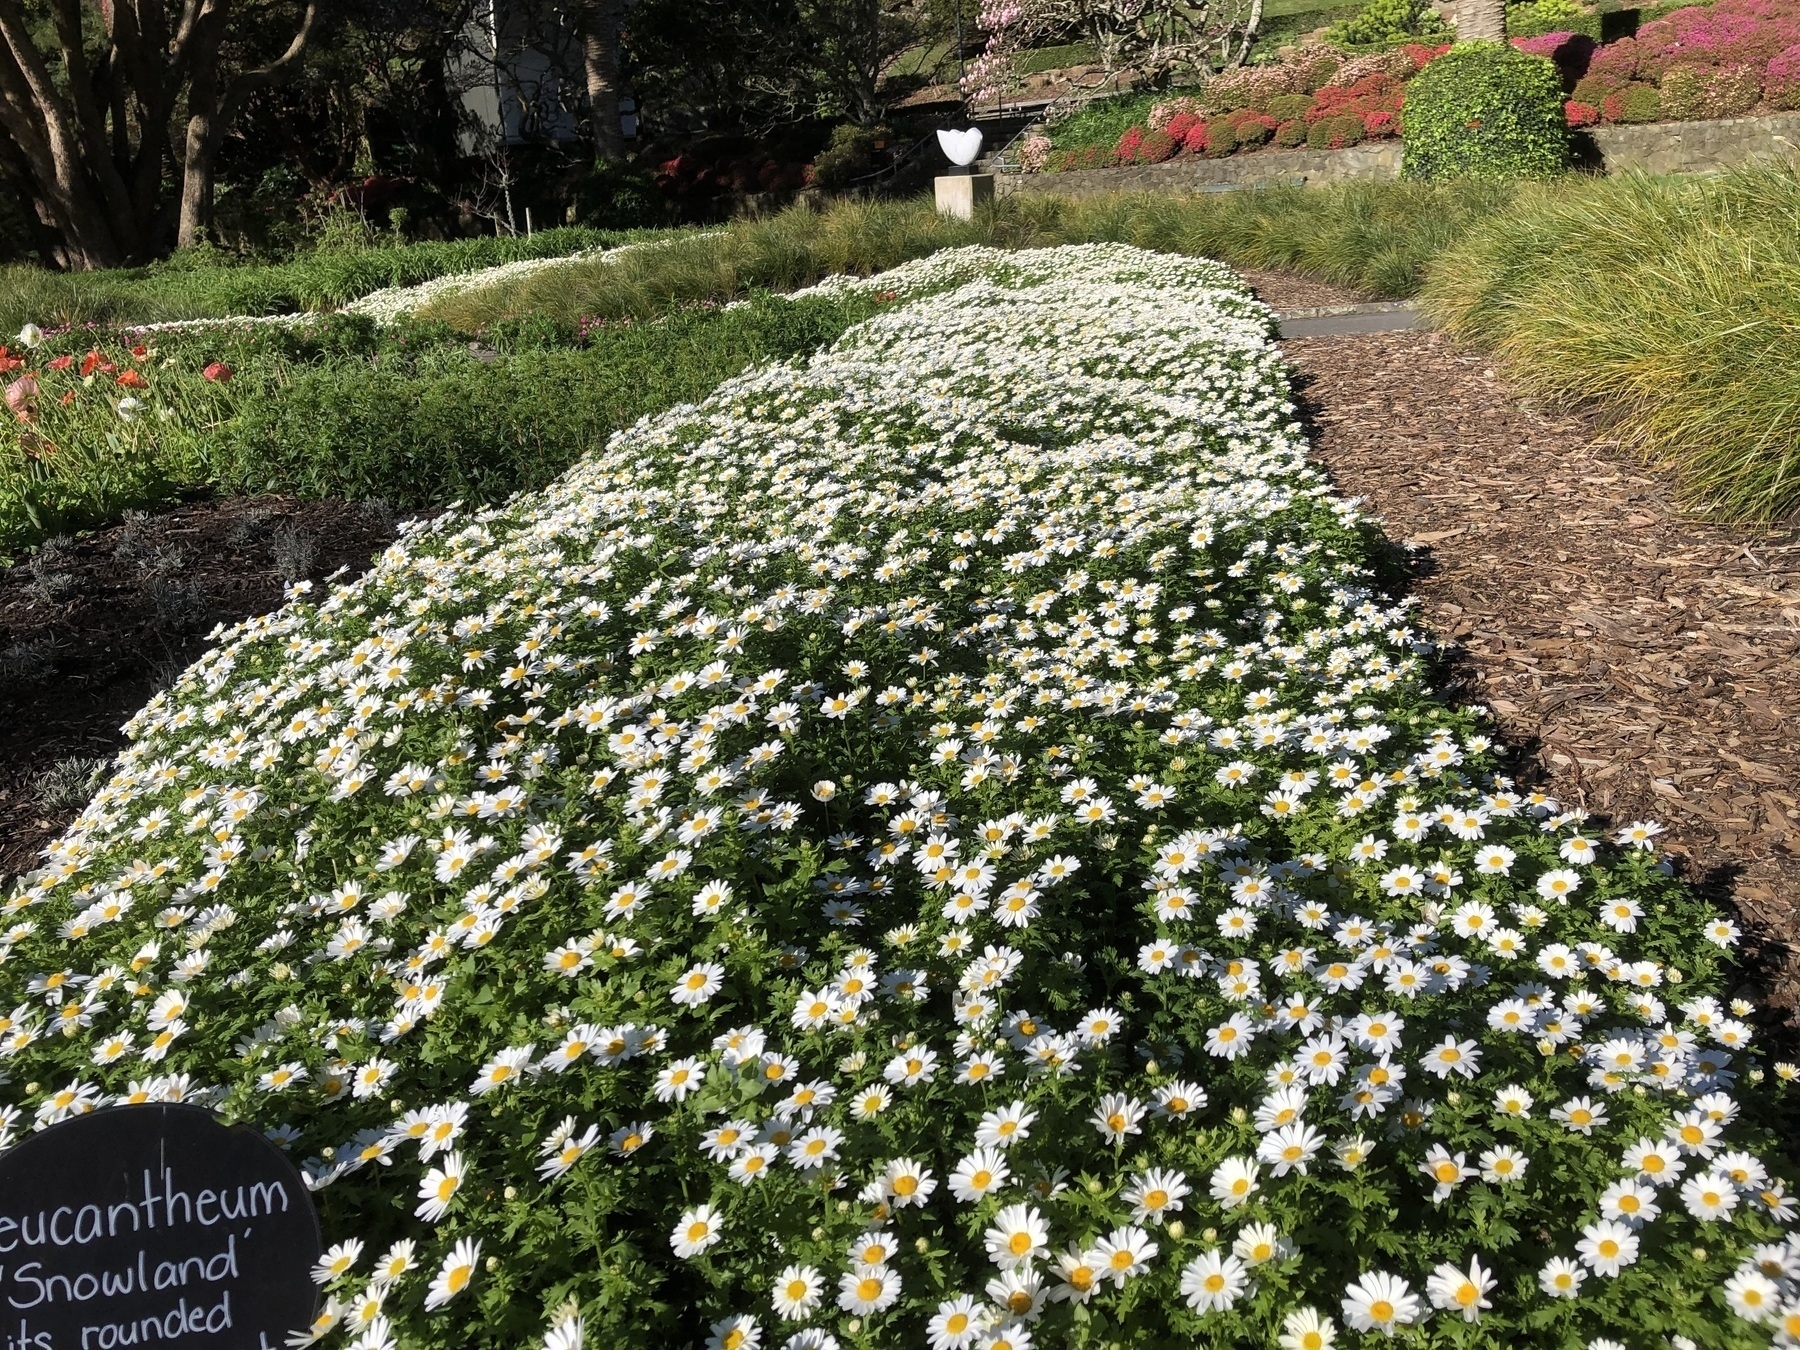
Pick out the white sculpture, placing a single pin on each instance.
(962, 147)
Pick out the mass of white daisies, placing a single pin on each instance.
(943, 845)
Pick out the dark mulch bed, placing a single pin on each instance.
(1645, 663)
(91, 627)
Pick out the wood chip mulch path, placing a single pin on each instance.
(1644, 663)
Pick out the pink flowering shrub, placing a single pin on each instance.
(1731, 33)
(1781, 81)
(1571, 53)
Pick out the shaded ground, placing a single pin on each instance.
(1644, 663)
(91, 627)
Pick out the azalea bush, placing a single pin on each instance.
(942, 843)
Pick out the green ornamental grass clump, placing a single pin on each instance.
(942, 844)
(1486, 110)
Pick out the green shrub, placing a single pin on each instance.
(1291, 134)
(612, 196)
(1550, 16)
(1286, 107)
(852, 154)
(445, 426)
(1221, 138)
(1486, 110)
(1633, 103)
(1382, 21)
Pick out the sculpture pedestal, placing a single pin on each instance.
(959, 194)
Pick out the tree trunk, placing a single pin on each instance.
(1480, 19)
(600, 22)
(202, 141)
(209, 113)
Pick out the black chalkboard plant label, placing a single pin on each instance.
(153, 1225)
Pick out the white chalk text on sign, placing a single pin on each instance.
(153, 1226)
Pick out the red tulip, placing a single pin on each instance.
(218, 372)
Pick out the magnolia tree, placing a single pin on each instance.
(1156, 38)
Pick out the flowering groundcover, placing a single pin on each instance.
(941, 845)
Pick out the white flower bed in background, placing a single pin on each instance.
(943, 845)
(396, 302)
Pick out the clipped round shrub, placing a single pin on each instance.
(1581, 114)
(1313, 65)
(1633, 103)
(1125, 152)
(1221, 137)
(1617, 61)
(1683, 92)
(1253, 128)
(1286, 107)
(1781, 82)
(1195, 140)
(1395, 62)
(1291, 133)
(1595, 86)
(1156, 147)
(1389, 21)
(1485, 110)
(1179, 126)
(1731, 92)
(1253, 86)
(1336, 132)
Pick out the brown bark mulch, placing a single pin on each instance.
(91, 627)
(1285, 292)
(1645, 663)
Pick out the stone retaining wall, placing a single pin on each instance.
(1659, 147)
(1696, 147)
(1263, 168)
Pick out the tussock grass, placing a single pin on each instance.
(1671, 306)
(1373, 236)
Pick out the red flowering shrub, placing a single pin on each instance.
(1179, 126)
(1423, 54)
(1335, 132)
(1581, 114)
(1194, 142)
(1156, 147)
(1253, 128)
(1125, 152)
